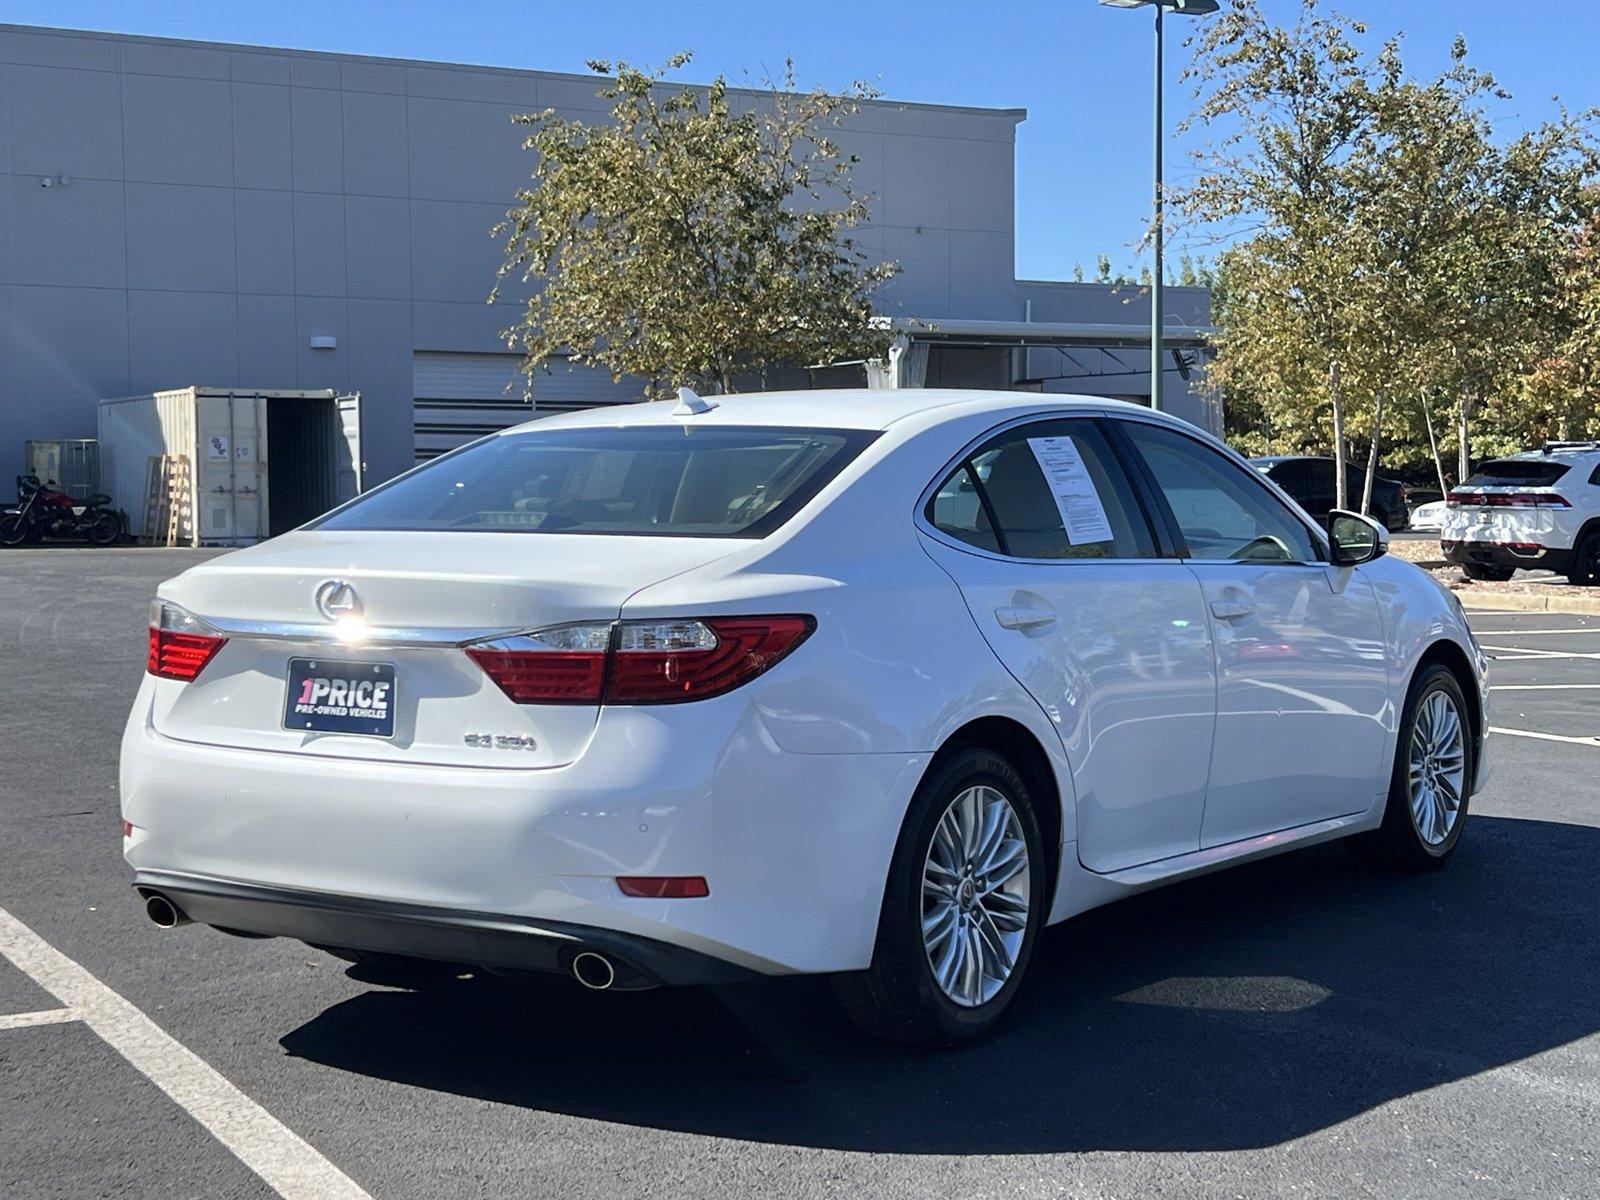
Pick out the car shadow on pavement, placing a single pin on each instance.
(1234, 1011)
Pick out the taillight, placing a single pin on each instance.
(181, 644)
(1536, 500)
(665, 661)
(565, 664)
(1508, 500)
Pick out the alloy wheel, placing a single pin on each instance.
(1438, 767)
(975, 896)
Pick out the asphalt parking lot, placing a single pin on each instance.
(1299, 1027)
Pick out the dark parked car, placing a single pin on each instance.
(1310, 483)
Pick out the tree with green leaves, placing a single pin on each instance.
(693, 238)
(1390, 260)
(1561, 394)
(1290, 108)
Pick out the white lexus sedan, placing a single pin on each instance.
(868, 683)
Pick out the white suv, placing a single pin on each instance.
(1539, 510)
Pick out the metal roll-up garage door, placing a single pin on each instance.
(460, 397)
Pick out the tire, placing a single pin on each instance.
(13, 531)
(1585, 568)
(1402, 842)
(899, 997)
(1487, 574)
(105, 530)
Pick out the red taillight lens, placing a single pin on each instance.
(665, 661)
(1537, 500)
(180, 655)
(544, 677)
(565, 664)
(740, 649)
(180, 643)
(1508, 500)
(664, 887)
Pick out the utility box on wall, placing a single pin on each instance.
(260, 461)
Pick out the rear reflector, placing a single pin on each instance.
(665, 661)
(664, 887)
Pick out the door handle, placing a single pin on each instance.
(1233, 608)
(1024, 618)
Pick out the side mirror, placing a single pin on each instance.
(1355, 539)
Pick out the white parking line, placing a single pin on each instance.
(1546, 737)
(284, 1161)
(1511, 653)
(1532, 632)
(49, 1016)
(1544, 687)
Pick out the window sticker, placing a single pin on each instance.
(1082, 512)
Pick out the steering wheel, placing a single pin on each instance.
(1253, 550)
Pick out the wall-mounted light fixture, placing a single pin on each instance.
(324, 341)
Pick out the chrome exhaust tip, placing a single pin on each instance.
(593, 970)
(163, 912)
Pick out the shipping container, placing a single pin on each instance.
(73, 464)
(258, 462)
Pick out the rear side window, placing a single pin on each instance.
(1293, 476)
(958, 509)
(666, 481)
(1516, 472)
(1052, 489)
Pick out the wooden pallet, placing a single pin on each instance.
(167, 500)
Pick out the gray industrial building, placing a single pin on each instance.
(178, 213)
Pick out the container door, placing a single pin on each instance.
(230, 484)
(250, 468)
(351, 470)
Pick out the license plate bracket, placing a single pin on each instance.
(324, 695)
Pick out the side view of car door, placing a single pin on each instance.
(1060, 562)
(1302, 680)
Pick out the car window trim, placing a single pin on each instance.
(1223, 451)
(963, 461)
(1000, 540)
(1171, 541)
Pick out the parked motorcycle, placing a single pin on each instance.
(42, 511)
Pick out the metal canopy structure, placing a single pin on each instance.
(1110, 336)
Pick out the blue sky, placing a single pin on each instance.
(1082, 71)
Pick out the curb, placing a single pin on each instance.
(1523, 602)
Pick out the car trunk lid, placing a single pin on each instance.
(407, 601)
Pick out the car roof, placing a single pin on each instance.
(833, 408)
(1547, 455)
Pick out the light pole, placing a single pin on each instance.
(1187, 8)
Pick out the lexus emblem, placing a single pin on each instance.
(337, 599)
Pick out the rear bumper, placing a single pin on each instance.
(414, 930)
(1506, 554)
(796, 847)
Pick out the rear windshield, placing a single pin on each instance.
(1516, 472)
(656, 480)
